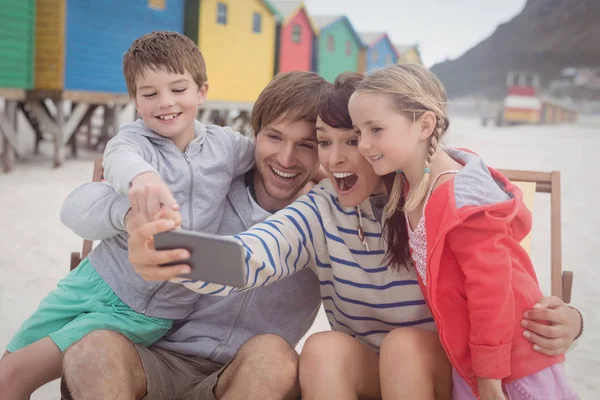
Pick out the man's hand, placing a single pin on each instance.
(149, 194)
(490, 389)
(146, 260)
(551, 326)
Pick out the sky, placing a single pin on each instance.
(442, 28)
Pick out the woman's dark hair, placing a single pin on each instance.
(396, 232)
(333, 110)
(333, 107)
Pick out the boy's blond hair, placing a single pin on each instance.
(165, 51)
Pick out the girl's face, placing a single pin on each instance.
(353, 177)
(388, 139)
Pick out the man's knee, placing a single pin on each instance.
(269, 352)
(95, 346)
(267, 359)
(97, 358)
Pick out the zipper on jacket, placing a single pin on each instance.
(191, 193)
(152, 296)
(246, 300)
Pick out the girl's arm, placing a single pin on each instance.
(485, 252)
(285, 243)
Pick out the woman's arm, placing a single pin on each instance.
(285, 243)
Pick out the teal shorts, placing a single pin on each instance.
(82, 303)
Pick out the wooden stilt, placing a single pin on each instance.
(59, 134)
(9, 138)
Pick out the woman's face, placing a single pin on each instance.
(352, 175)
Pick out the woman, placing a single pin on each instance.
(337, 233)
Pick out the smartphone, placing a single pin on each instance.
(213, 258)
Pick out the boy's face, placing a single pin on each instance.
(286, 157)
(168, 104)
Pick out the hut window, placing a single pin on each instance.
(296, 33)
(348, 48)
(330, 42)
(374, 56)
(222, 14)
(256, 22)
(157, 4)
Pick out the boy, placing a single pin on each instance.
(187, 165)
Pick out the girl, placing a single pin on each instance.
(464, 222)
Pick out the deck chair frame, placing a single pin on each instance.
(549, 182)
(546, 182)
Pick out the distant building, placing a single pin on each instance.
(338, 47)
(409, 54)
(237, 40)
(378, 51)
(296, 37)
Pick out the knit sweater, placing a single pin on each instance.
(361, 296)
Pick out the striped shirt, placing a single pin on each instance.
(361, 296)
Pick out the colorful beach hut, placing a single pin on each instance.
(80, 44)
(378, 51)
(296, 37)
(338, 46)
(17, 44)
(409, 54)
(237, 40)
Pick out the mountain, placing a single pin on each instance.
(547, 36)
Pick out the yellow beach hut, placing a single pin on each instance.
(237, 39)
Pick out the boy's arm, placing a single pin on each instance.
(243, 152)
(127, 168)
(94, 211)
(280, 246)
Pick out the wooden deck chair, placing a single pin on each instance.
(76, 257)
(531, 182)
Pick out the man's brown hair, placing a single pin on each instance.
(294, 96)
(166, 51)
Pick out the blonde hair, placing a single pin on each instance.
(414, 90)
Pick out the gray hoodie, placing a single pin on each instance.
(217, 326)
(199, 179)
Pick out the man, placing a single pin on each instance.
(227, 348)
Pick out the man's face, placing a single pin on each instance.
(286, 157)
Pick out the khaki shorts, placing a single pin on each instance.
(171, 375)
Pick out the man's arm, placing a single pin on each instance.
(243, 152)
(564, 326)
